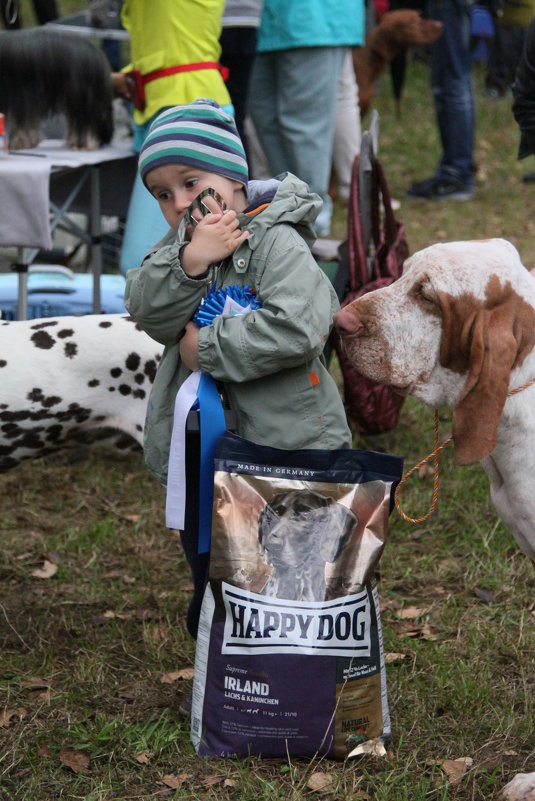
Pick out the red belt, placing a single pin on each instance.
(201, 65)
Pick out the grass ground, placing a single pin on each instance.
(94, 655)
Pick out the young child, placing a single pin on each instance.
(268, 362)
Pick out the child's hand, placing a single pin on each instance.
(214, 238)
(189, 347)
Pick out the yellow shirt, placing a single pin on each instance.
(165, 33)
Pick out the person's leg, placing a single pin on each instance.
(263, 97)
(347, 129)
(45, 11)
(307, 126)
(453, 92)
(238, 49)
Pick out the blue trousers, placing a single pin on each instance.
(453, 91)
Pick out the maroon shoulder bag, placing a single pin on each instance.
(372, 408)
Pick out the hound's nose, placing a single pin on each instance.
(347, 321)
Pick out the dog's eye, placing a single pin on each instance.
(424, 294)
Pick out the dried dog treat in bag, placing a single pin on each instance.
(289, 653)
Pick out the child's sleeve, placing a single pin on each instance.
(291, 328)
(161, 297)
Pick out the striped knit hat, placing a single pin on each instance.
(200, 134)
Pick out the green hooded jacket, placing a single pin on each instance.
(270, 360)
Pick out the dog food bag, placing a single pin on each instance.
(289, 656)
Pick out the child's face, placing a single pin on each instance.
(175, 186)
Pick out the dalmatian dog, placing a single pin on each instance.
(299, 532)
(73, 380)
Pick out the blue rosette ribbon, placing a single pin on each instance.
(230, 301)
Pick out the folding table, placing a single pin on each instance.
(40, 186)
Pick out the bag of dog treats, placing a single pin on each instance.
(289, 656)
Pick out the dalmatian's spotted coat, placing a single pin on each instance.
(71, 380)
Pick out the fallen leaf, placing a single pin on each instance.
(319, 781)
(424, 632)
(109, 614)
(44, 752)
(210, 781)
(48, 570)
(7, 714)
(142, 757)
(184, 674)
(132, 518)
(77, 761)
(412, 612)
(392, 656)
(172, 781)
(374, 747)
(229, 783)
(456, 768)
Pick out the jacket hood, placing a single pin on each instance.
(291, 202)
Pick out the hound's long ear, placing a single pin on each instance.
(486, 339)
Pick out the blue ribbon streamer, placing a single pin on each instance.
(212, 425)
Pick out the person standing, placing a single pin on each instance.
(454, 100)
(300, 53)
(175, 49)
(241, 19)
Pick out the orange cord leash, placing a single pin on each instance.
(434, 455)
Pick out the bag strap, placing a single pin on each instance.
(358, 271)
(381, 190)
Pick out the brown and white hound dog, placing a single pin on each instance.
(458, 329)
